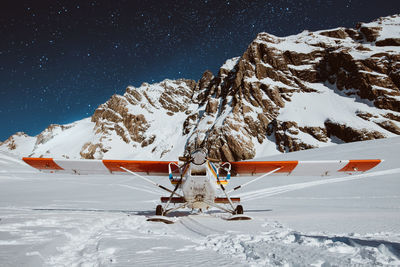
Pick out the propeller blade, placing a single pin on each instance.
(213, 160)
(184, 159)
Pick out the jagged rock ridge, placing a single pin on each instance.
(283, 94)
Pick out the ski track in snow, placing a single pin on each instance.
(82, 247)
(282, 246)
(88, 239)
(196, 227)
(94, 241)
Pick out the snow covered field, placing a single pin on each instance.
(67, 220)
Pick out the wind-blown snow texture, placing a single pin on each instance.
(304, 91)
(87, 220)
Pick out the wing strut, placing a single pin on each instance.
(226, 194)
(150, 181)
(218, 206)
(176, 187)
(252, 181)
(173, 209)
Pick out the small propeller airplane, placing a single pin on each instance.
(196, 178)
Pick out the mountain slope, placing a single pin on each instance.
(283, 94)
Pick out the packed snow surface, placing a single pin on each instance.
(87, 220)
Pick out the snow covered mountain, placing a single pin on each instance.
(304, 91)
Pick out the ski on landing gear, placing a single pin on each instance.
(164, 219)
(159, 217)
(238, 215)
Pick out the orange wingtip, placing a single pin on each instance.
(361, 165)
(42, 163)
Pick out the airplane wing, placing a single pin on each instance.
(156, 168)
(303, 168)
(244, 168)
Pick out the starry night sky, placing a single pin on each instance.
(60, 59)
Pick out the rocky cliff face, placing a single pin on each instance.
(283, 94)
(260, 99)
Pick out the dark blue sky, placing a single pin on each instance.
(60, 59)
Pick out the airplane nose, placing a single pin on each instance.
(199, 157)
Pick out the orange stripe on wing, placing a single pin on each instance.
(42, 163)
(142, 166)
(254, 167)
(361, 165)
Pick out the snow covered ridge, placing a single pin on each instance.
(283, 94)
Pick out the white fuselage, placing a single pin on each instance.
(199, 186)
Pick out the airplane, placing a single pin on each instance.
(196, 177)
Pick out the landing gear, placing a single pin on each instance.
(160, 216)
(237, 215)
(159, 210)
(239, 209)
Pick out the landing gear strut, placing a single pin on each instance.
(159, 210)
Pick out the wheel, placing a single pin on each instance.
(159, 210)
(239, 209)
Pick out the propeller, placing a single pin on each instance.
(198, 157)
(214, 160)
(185, 159)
